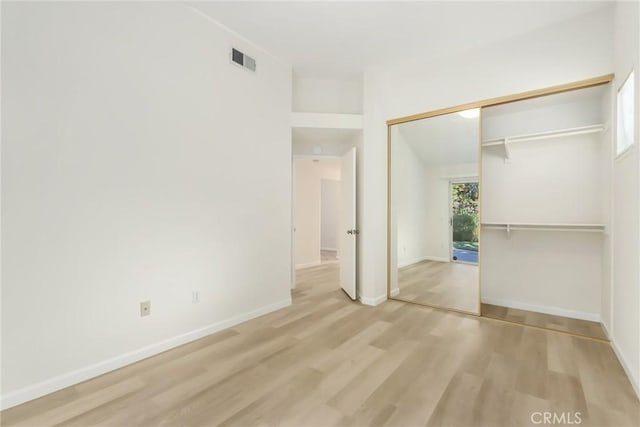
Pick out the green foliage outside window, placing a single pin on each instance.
(465, 212)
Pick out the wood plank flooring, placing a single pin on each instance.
(442, 284)
(326, 361)
(549, 321)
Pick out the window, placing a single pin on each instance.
(626, 113)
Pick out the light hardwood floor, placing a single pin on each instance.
(441, 284)
(558, 323)
(326, 361)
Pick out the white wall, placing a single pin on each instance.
(410, 204)
(131, 172)
(625, 321)
(548, 272)
(306, 211)
(315, 95)
(307, 207)
(544, 180)
(329, 214)
(566, 52)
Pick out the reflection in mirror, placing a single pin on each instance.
(434, 224)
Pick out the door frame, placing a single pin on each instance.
(295, 157)
(452, 181)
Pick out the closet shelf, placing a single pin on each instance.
(589, 228)
(505, 141)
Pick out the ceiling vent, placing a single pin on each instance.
(244, 61)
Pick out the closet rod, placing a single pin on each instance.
(593, 228)
(545, 135)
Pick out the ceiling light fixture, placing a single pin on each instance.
(470, 114)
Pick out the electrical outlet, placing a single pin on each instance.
(195, 297)
(145, 308)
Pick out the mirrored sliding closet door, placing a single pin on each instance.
(434, 211)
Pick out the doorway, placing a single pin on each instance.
(324, 230)
(316, 210)
(463, 200)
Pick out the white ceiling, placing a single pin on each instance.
(443, 140)
(337, 39)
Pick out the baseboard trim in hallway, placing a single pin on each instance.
(71, 378)
(373, 301)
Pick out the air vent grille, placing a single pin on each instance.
(249, 63)
(242, 60)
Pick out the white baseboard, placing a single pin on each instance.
(632, 379)
(373, 301)
(308, 264)
(436, 258)
(71, 378)
(606, 331)
(557, 311)
(420, 259)
(394, 292)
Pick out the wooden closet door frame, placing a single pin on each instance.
(552, 90)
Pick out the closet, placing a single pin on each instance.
(541, 235)
(545, 202)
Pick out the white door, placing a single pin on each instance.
(348, 229)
